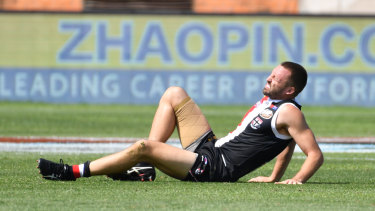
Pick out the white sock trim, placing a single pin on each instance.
(81, 168)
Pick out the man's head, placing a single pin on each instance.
(286, 81)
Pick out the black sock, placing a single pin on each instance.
(86, 169)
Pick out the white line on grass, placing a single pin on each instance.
(111, 145)
(301, 157)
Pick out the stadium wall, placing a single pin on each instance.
(132, 59)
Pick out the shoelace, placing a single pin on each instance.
(60, 169)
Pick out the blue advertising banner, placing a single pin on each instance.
(146, 87)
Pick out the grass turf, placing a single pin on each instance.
(345, 182)
(37, 119)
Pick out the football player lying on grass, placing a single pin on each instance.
(270, 129)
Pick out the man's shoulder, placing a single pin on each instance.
(289, 114)
(289, 107)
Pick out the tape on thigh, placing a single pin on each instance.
(191, 123)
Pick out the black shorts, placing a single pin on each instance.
(208, 166)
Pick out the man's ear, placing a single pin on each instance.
(290, 90)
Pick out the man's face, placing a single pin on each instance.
(277, 83)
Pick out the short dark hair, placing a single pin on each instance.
(298, 76)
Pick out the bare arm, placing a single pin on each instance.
(281, 164)
(282, 161)
(293, 121)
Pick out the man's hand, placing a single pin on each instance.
(261, 179)
(270, 179)
(290, 182)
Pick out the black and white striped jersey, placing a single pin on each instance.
(255, 141)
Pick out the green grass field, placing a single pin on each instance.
(345, 182)
(37, 119)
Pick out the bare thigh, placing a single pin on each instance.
(171, 160)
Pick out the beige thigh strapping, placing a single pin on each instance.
(191, 123)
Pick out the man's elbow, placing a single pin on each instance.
(319, 158)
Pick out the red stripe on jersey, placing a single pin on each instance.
(76, 171)
(253, 107)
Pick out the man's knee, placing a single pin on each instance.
(143, 150)
(174, 95)
(141, 147)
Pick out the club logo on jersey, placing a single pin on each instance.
(266, 114)
(255, 124)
